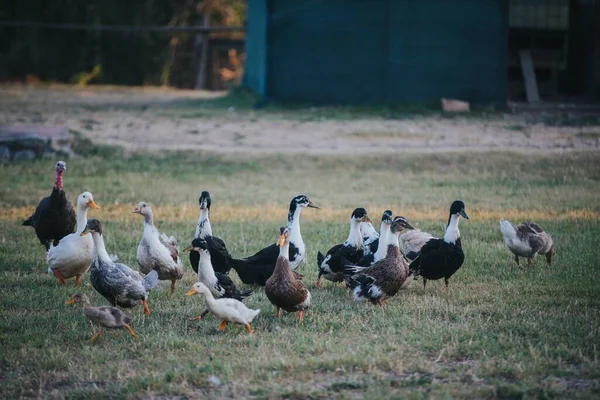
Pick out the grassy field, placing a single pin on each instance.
(496, 333)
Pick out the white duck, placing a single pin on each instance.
(228, 310)
(157, 252)
(72, 257)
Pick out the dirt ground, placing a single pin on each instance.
(156, 119)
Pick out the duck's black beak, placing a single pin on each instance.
(312, 205)
(463, 213)
(408, 226)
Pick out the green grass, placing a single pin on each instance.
(497, 333)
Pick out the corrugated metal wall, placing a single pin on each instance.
(386, 51)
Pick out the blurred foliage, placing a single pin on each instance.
(135, 58)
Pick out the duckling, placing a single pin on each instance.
(256, 269)
(220, 285)
(526, 240)
(330, 265)
(284, 289)
(54, 217)
(118, 283)
(105, 316)
(227, 309)
(220, 257)
(381, 250)
(385, 277)
(157, 252)
(441, 258)
(72, 256)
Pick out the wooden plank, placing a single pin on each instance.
(531, 88)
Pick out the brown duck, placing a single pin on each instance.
(284, 288)
(384, 278)
(105, 316)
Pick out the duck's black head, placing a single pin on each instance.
(93, 225)
(204, 200)
(458, 207)
(302, 201)
(360, 214)
(197, 245)
(387, 217)
(400, 223)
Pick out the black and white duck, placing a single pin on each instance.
(157, 251)
(118, 283)
(221, 259)
(441, 258)
(220, 284)
(526, 240)
(54, 217)
(381, 250)
(330, 265)
(256, 269)
(72, 256)
(385, 277)
(370, 238)
(285, 288)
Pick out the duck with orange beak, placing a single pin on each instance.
(228, 310)
(284, 288)
(72, 257)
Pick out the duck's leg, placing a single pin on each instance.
(446, 281)
(549, 258)
(248, 328)
(146, 309)
(318, 282)
(424, 283)
(172, 287)
(131, 332)
(199, 316)
(222, 326)
(277, 312)
(77, 279)
(61, 280)
(95, 336)
(300, 316)
(517, 261)
(529, 262)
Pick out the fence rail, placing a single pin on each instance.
(121, 28)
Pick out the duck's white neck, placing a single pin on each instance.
(81, 218)
(203, 228)
(508, 231)
(100, 249)
(452, 232)
(148, 221)
(205, 268)
(354, 237)
(384, 233)
(369, 234)
(293, 225)
(284, 251)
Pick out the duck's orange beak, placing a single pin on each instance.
(191, 292)
(92, 204)
(137, 210)
(70, 301)
(281, 240)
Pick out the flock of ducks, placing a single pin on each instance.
(374, 265)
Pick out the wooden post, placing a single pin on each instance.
(202, 40)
